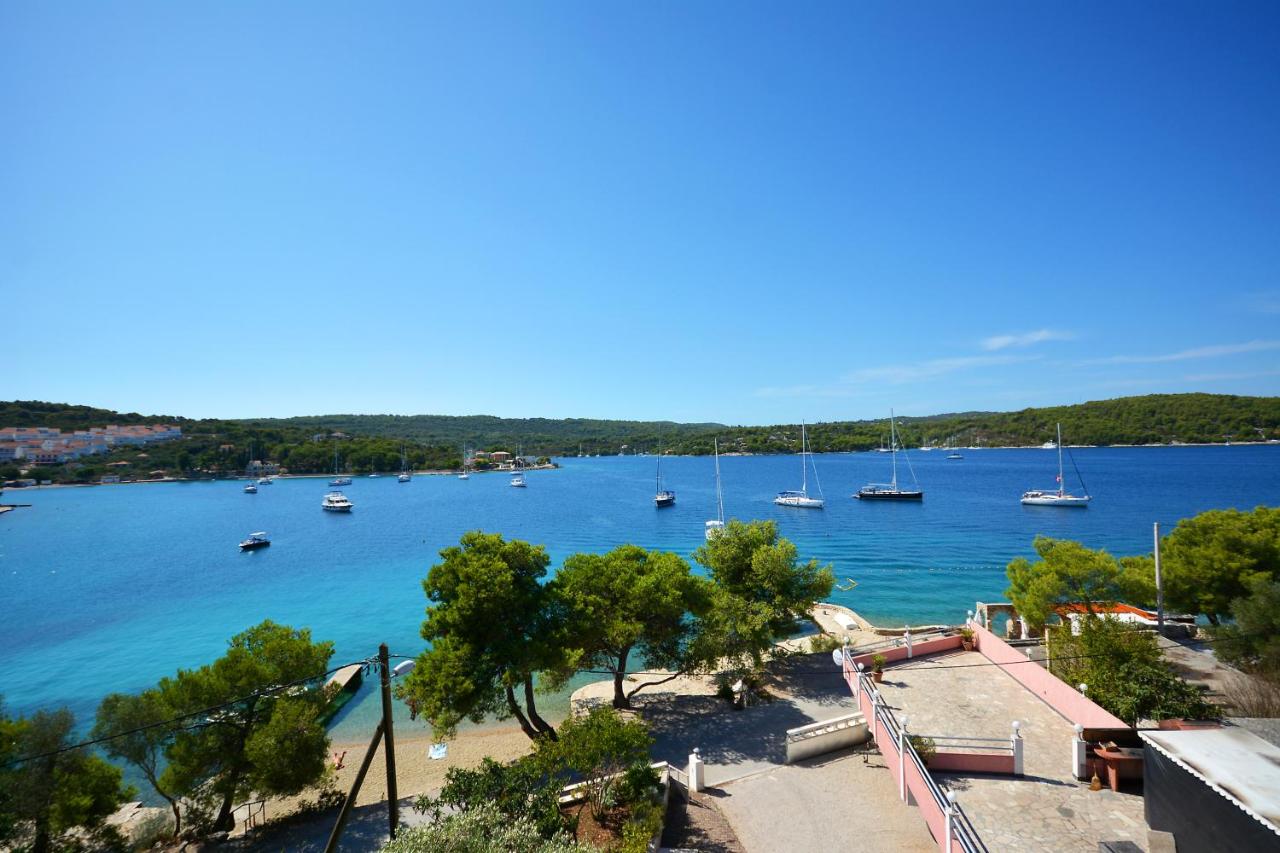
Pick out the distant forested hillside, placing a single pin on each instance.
(373, 442)
(1158, 418)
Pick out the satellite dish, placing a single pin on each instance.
(837, 655)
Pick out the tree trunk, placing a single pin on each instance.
(620, 698)
(225, 821)
(41, 844)
(514, 707)
(1213, 618)
(529, 705)
(177, 817)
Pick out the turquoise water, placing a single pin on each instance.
(108, 589)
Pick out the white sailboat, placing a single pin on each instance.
(337, 479)
(517, 479)
(890, 491)
(715, 526)
(464, 475)
(1058, 497)
(662, 497)
(801, 498)
(405, 475)
(250, 488)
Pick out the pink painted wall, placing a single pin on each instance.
(972, 762)
(897, 653)
(1057, 694)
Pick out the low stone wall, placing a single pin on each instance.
(826, 736)
(971, 762)
(920, 649)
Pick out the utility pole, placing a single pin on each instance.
(382, 731)
(1159, 584)
(393, 804)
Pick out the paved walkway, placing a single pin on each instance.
(1047, 808)
(739, 743)
(833, 802)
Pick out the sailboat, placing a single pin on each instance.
(801, 498)
(405, 475)
(250, 488)
(463, 475)
(715, 526)
(338, 480)
(1058, 497)
(890, 491)
(517, 479)
(662, 497)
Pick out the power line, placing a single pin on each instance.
(172, 722)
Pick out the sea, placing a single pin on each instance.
(110, 588)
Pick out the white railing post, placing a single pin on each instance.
(1016, 742)
(950, 817)
(906, 638)
(902, 756)
(695, 771)
(1079, 753)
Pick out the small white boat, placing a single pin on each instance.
(375, 475)
(801, 498)
(250, 489)
(1057, 497)
(517, 478)
(336, 502)
(405, 474)
(715, 526)
(404, 478)
(255, 540)
(890, 491)
(264, 481)
(340, 481)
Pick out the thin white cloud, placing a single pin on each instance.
(805, 391)
(1026, 339)
(898, 374)
(1263, 302)
(1227, 377)
(1214, 351)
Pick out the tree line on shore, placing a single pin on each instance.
(435, 441)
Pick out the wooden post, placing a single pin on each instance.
(336, 834)
(1159, 584)
(393, 804)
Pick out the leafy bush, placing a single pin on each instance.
(482, 829)
(520, 791)
(877, 663)
(1126, 673)
(824, 643)
(597, 746)
(924, 747)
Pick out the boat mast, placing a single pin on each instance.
(1062, 486)
(657, 478)
(893, 449)
(804, 471)
(719, 494)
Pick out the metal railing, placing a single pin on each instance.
(962, 829)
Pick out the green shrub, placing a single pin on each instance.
(877, 663)
(924, 747)
(824, 643)
(483, 829)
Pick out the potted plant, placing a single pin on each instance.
(877, 668)
(925, 747)
(966, 638)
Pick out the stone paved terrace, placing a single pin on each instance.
(1045, 809)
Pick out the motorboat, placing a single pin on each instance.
(255, 541)
(264, 481)
(340, 481)
(336, 502)
(1058, 497)
(250, 489)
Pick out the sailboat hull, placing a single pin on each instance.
(869, 494)
(664, 499)
(801, 502)
(1053, 499)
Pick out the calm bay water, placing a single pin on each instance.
(109, 589)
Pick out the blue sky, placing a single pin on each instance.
(741, 212)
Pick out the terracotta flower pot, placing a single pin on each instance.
(967, 645)
(877, 676)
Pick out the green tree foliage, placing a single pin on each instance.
(483, 829)
(1251, 640)
(523, 791)
(751, 562)
(1211, 560)
(629, 601)
(598, 747)
(61, 800)
(145, 749)
(491, 627)
(1067, 572)
(1125, 672)
(270, 743)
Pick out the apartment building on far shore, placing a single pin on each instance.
(52, 446)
